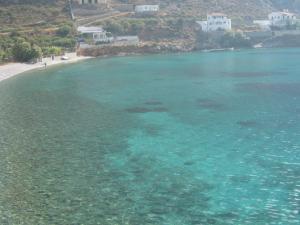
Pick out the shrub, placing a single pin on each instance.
(114, 27)
(24, 51)
(2, 55)
(64, 31)
(64, 42)
(47, 51)
(236, 40)
(137, 27)
(36, 52)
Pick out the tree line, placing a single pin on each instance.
(25, 48)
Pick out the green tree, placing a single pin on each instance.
(236, 40)
(2, 55)
(114, 27)
(36, 52)
(64, 42)
(137, 27)
(14, 34)
(47, 51)
(64, 31)
(24, 52)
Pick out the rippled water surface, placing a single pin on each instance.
(201, 138)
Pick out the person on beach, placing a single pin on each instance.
(45, 64)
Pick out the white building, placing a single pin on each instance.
(215, 22)
(82, 2)
(98, 33)
(277, 19)
(146, 8)
(281, 19)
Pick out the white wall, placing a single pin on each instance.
(92, 1)
(281, 18)
(101, 37)
(203, 25)
(215, 23)
(146, 8)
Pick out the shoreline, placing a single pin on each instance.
(10, 70)
(13, 69)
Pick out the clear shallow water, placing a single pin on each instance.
(170, 139)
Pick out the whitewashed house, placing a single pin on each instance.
(83, 2)
(281, 19)
(215, 22)
(277, 19)
(146, 9)
(98, 34)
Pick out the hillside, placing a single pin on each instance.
(16, 13)
(34, 27)
(47, 24)
(20, 13)
(246, 9)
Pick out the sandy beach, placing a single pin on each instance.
(13, 69)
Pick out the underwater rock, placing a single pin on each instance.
(247, 123)
(153, 102)
(146, 110)
(160, 109)
(138, 110)
(240, 179)
(282, 88)
(211, 104)
(247, 74)
(189, 163)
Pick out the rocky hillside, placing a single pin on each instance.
(20, 12)
(238, 8)
(31, 27)
(17, 13)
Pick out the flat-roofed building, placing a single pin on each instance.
(83, 2)
(281, 19)
(146, 9)
(98, 34)
(215, 22)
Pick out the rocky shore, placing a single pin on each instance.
(143, 48)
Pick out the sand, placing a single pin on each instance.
(12, 69)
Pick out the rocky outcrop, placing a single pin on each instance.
(144, 48)
(288, 41)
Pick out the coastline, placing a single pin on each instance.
(13, 69)
(10, 70)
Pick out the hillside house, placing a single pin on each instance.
(98, 34)
(83, 2)
(277, 19)
(282, 19)
(215, 22)
(146, 9)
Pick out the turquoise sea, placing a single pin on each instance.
(182, 139)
